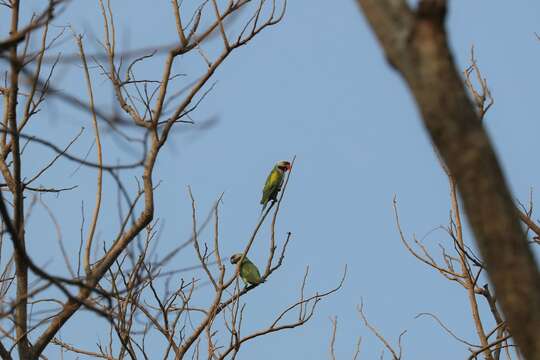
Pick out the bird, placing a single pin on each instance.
(248, 271)
(274, 182)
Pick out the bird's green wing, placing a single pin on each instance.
(249, 273)
(271, 187)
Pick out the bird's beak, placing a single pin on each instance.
(289, 167)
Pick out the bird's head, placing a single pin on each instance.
(284, 165)
(236, 258)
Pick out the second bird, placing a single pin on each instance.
(248, 271)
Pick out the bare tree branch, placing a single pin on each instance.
(426, 63)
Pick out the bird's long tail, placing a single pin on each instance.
(264, 207)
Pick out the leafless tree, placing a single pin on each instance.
(415, 43)
(124, 280)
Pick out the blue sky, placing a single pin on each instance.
(316, 86)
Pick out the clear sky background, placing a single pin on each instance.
(316, 86)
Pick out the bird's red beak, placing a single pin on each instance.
(289, 167)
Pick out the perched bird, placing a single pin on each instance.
(248, 271)
(274, 182)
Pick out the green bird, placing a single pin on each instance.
(274, 182)
(248, 271)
